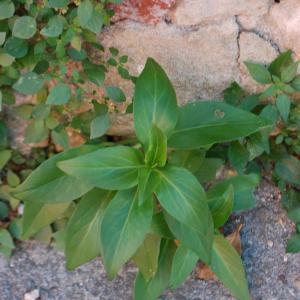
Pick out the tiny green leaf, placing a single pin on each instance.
(16, 47)
(7, 9)
(289, 72)
(115, 94)
(59, 95)
(293, 245)
(24, 27)
(283, 104)
(54, 28)
(259, 73)
(29, 83)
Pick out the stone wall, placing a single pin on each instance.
(202, 44)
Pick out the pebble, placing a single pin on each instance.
(32, 295)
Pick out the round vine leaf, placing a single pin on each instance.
(59, 95)
(5, 59)
(16, 47)
(29, 83)
(54, 28)
(7, 9)
(115, 94)
(24, 27)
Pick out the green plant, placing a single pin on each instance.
(145, 202)
(50, 52)
(275, 150)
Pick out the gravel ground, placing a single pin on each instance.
(271, 273)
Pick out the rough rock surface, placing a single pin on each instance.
(192, 58)
(272, 274)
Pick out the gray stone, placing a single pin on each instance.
(200, 62)
(203, 12)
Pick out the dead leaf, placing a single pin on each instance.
(204, 272)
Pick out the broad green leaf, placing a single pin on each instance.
(156, 154)
(146, 257)
(1, 100)
(208, 169)
(5, 156)
(147, 182)
(189, 159)
(16, 47)
(115, 94)
(6, 239)
(160, 227)
(48, 184)
(24, 27)
(259, 73)
(283, 104)
(209, 122)
(243, 185)
(154, 102)
(152, 289)
(182, 196)
(183, 264)
(289, 72)
(123, 229)
(283, 60)
(59, 95)
(228, 267)
(38, 215)
(29, 83)
(238, 156)
(83, 229)
(85, 12)
(288, 169)
(36, 132)
(113, 168)
(7, 9)
(54, 28)
(221, 205)
(99, 126)
(293, 245)
(195, 240)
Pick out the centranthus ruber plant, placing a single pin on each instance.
(145, 202)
